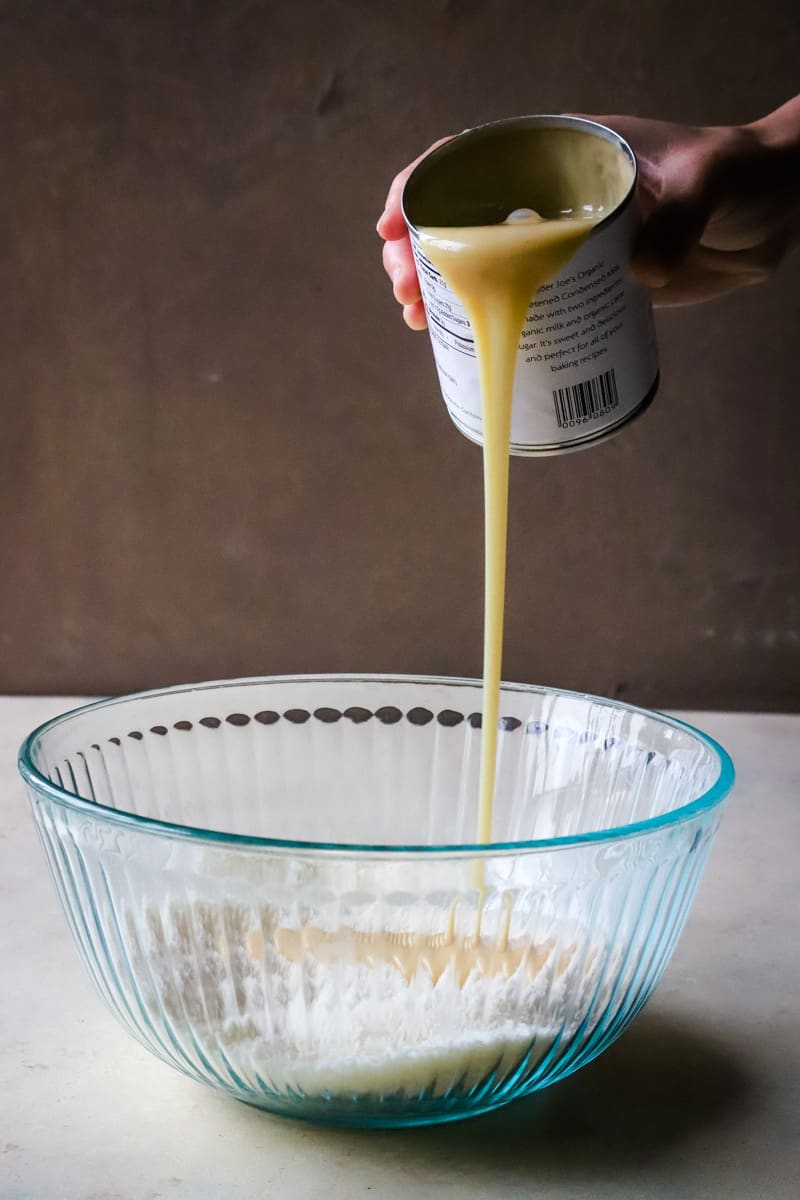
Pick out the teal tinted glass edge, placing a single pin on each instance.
(709, 799)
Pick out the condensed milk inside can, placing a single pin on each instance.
(587, 360)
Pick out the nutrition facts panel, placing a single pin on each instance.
(447, 320)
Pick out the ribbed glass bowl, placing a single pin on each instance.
(272, 882)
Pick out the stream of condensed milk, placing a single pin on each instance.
(495, 271)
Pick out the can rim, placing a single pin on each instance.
(534, 121)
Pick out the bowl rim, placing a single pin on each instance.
(709, 799)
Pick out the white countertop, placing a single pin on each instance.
(699, 1100)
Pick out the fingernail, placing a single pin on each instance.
(380, 222)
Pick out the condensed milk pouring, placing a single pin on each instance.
(586, 361)
(543, 339)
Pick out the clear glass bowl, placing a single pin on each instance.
(273, 886)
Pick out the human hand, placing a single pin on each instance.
(720, 208)
(398, 259)
(720, 204)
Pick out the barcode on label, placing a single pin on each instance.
(584, 401)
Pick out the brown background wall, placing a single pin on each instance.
(222, 453)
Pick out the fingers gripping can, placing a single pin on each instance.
(587, 361)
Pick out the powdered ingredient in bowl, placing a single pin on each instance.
(343, 1011)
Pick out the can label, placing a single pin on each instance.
(587, 355)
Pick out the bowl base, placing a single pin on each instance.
(361, 1119)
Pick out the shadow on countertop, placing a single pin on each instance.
(664, 1082)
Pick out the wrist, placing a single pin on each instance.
(779, 131)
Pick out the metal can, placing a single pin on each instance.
(587, 360)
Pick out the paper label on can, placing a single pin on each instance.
(587, 353)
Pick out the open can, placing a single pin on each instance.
(587, 360)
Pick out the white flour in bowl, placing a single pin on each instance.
(341, 1011)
